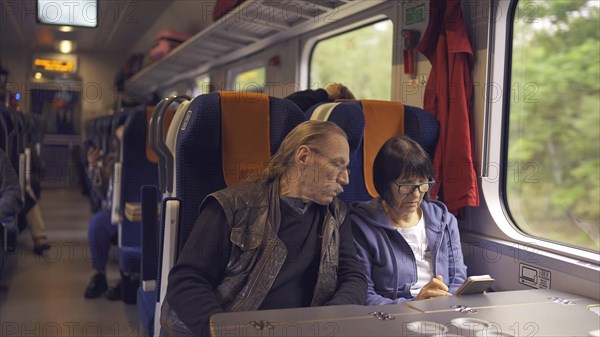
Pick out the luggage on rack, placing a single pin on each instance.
(134, 63)
(165, 41)
(222, 7)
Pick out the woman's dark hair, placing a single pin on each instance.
(400, 157)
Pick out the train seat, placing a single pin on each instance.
(136, 170)
(147, 293)
(95, 134)
(199, 149)
(210, 155)
(162, 118)
(349, 117)
(170, 188)
(8, 225)
(11, 136)
(381, 120)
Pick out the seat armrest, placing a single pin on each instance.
(168, 252)
(150, 236)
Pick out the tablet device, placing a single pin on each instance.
(475, 285)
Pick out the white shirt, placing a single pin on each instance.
(417, 240)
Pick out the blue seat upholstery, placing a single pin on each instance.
(199, 170)
(137, 171)
(146, 302)
(419, 124)
(150, 231)
(12, 126)
(147, 293)
(10, 142)
(349, 117)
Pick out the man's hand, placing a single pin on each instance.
(436, 287)
(94, 156)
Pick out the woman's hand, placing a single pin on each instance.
(436, 287)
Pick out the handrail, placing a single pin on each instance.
(153, 138)
(166, 160)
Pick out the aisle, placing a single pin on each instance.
(44, 296)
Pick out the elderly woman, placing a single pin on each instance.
(408, 245)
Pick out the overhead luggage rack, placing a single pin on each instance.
(247, 29)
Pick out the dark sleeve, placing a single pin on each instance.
(10, 191)
(352, 284)
(307, 98)
(199, 270)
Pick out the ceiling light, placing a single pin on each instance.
(65, 46)
(66, 29)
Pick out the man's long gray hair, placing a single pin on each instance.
(310, 133)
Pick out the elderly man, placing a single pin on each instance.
(281, 242)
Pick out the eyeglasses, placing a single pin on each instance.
(410, 188)
(339, 166)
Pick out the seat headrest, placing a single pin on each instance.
(383, 120)
(368, 125)
(245, 135)
(348, 116)
(422, 127)
(199, 168)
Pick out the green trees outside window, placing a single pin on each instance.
(361, 59)
(553, 168)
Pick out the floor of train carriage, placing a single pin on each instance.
(44, 296)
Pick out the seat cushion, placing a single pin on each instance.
(130, 259)
(146, 305)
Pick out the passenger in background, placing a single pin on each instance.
(257, 245)
(12, 203)
(35, 223)
(10, 192)
(409, 246)
(101, 232)
(307, 98)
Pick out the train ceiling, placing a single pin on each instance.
(120, 25)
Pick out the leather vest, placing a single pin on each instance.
(253, 213)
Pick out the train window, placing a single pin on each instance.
(361, 59)
(553, 159)
(252, 80)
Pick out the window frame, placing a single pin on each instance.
(493, 183)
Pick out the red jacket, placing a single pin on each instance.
(448, 95)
